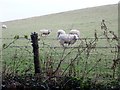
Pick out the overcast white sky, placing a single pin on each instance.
(18, 9)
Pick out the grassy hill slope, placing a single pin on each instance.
(87, 20)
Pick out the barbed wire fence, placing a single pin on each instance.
(29, 46)
(86, 59)
(86, 47)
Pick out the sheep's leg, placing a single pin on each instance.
(41, 35)
(68, 43)
(62, 43)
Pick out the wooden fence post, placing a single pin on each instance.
(34, 40)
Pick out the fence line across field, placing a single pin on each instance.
(49, 46)
(56, 47)
(53, 38)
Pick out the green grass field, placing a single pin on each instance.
(87, 20)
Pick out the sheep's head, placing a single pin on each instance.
(76, 37)
(60, 32)
(49, 31)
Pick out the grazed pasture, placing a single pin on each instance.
(97, 64)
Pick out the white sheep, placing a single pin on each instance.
(44, 32)
(4, 26)
(64, 38)
(75, 31)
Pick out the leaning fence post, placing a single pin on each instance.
(34, 40)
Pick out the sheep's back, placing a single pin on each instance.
(66, 37)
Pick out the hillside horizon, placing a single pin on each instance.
(60, 12)
(85, 20)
